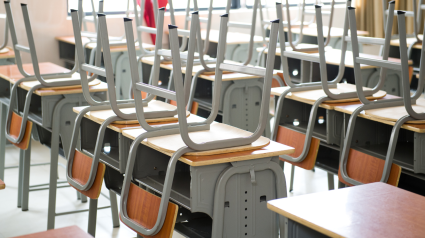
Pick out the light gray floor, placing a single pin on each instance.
(14, 222)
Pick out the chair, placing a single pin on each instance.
(130, 192)
(19, 123)
(324, 85)
(383, 171)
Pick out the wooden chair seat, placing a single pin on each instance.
(81, 172)
(28, 85)
(66, 232)
(296, 139)
(368, 169)
(143, 207)
(218, 131)
(312, 96)
(395, 113)
(2, 185)
(15, 127)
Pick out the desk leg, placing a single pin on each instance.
(92, 217)
(54, 156)
(26, 177)
(291, 182)
(220, 191)
(114, 209)
(331, 182)
(2, 139)
(20, 176)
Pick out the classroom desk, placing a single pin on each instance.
(416, 51)
(119, 57)
(310, 34)
(371, 210)
(302, 71)
(51, 113)
(195, 180)
(7, 56)
(240, 96)
(331, 127)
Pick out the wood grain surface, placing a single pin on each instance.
(143, 207)
(12, 74)
(218, 131)
(28, 85)
(209, 75)
(153, 106)
(372, 210)
(296, 139)
(368, 169)
(350, 107)
(395, 113)
(66, 232)
(7, 53)
(312, 96)
(15, 129)
(81, 171)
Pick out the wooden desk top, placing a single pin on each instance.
(311, 30)
(333, 57)
(349, 108)
(70, 231)
(371, 210)
(272, 149)
(210, 75)
(169, 144)
(2, 185)
(12, 74)
(7, 53)
(71, 40)
(311, 96)
(409, 41)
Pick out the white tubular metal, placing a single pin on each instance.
(22, 48)
(368, 40)
(167, 53)
(408, 13)
(147, 29)
(94, 69)
(161, 92)
(183, 32)
(379, 63)
(239, 25)
(243, 69)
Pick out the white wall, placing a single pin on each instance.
(49, 19)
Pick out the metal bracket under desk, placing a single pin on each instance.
(8, 61)
(240, 101)
(194, 188)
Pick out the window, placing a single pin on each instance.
(112, 6)
(271, 3)
(120, 6)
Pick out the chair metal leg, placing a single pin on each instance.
(331, 182)
(91, 229)
(340, 185)
(291, 182)
(114, 209)
(83, 198)
(2, 139)
(26, 177)
(20, 176)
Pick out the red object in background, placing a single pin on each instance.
(148, 14)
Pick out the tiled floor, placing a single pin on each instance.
(14, 222)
